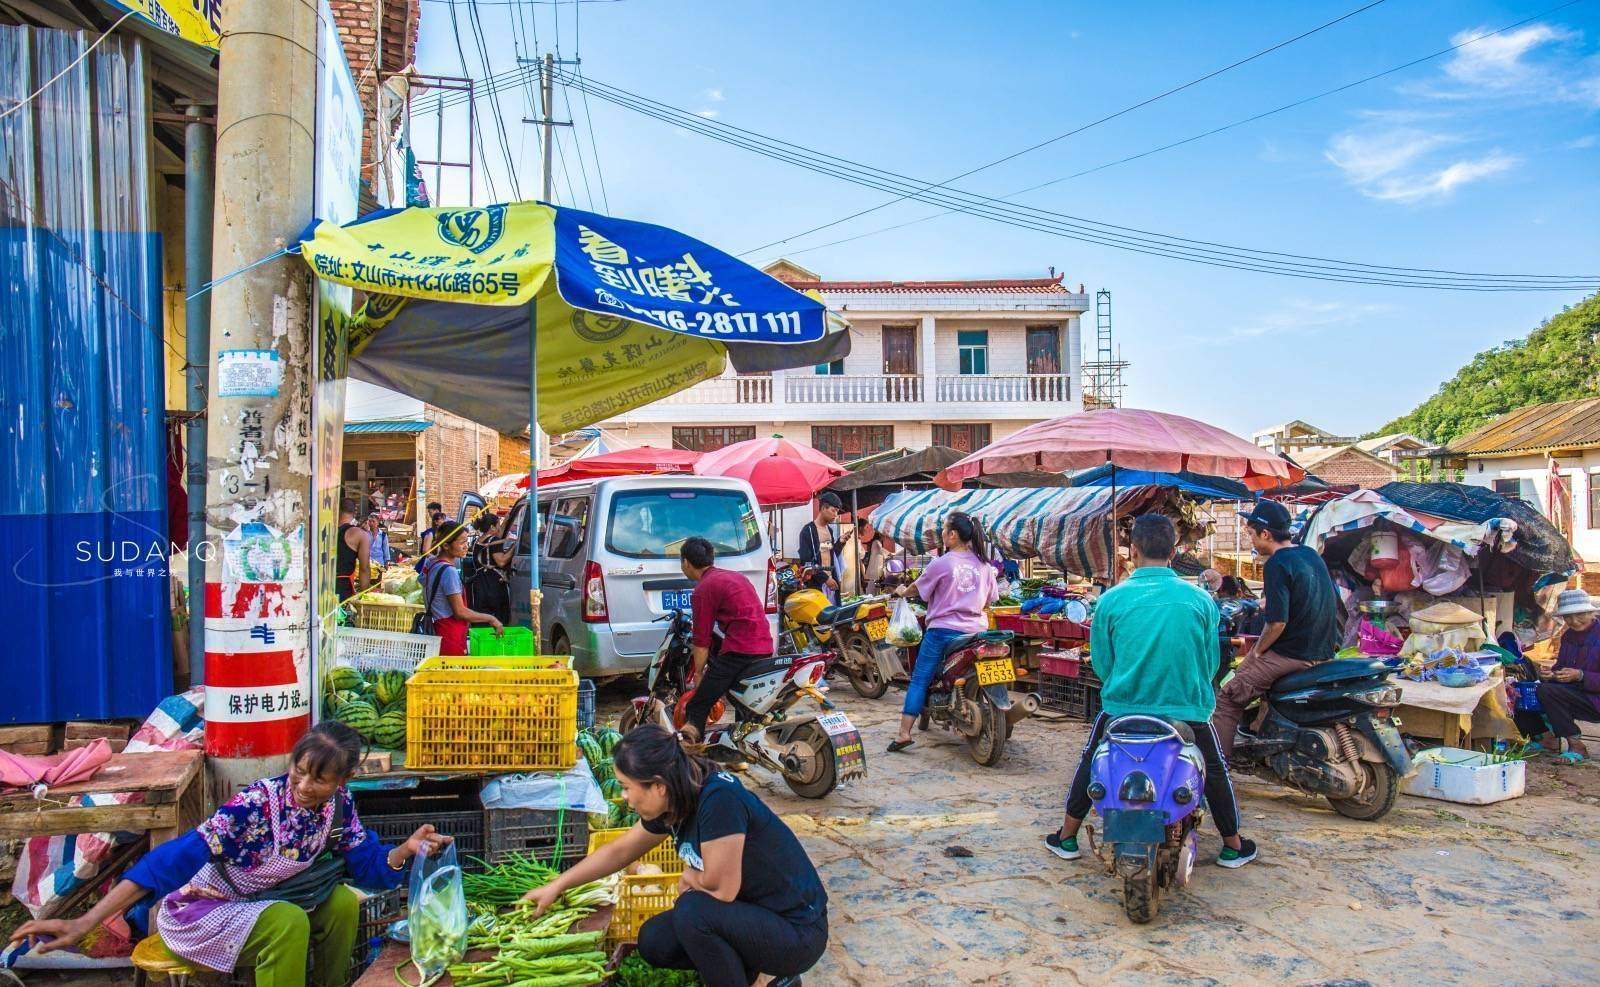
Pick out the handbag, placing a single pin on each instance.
(422, 623)
(312, 886)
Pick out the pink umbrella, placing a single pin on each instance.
(60, 769)
(783, 473)
(1129, 438)
(639, 461)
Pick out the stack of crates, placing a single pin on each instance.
(492, 714)
(451, 807)
(553, 836)
(1067, 684)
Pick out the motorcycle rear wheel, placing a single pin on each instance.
(824, 774)
(1141, 899)
(862, 671)
(1378, 797)
(989, 746)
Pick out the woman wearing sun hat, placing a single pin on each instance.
(1570, 689)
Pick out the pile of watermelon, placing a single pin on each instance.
(373, 703)
(597, 745)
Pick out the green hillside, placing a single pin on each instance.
(1557, 361)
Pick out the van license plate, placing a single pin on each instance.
(676, 599)
(996, 672)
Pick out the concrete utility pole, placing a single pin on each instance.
(547, 103)
(258, 608)
(199, 166)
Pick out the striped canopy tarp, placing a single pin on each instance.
(1069, 527)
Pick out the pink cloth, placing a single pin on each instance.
(957, 586)
(212, 931)
(56, 769)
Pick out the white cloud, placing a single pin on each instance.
(1402, 164)
(715, 95)
(1496, 62)
(708, 114)
(1583, 143)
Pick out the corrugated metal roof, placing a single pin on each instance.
(1561, 425)
(1006, 286)
(409, 426)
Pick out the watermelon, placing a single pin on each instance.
(343, 678)
(590, 746)
(609, 739)
(390, 733)
(388, 685)
(611, 789)
(604, 771)
(359, 715)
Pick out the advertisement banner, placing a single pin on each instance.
(196, 21)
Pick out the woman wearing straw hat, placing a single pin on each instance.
(1570, 689)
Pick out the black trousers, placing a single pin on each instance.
(730, 943)
(722, 672)
(1219, 787)
(1564, 704)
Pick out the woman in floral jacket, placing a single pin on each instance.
(208, 881)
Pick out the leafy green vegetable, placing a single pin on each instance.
(635, 972)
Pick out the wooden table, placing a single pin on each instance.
(172, 783)
(398, 954)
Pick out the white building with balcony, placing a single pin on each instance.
(955, 363)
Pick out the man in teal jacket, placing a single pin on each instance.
(1154, 644)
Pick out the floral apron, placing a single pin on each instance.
(212, 931)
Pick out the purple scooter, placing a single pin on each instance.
(1146, 780)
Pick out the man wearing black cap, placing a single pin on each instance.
(1301, 615)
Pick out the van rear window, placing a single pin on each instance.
(654, 524)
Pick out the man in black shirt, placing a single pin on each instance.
(819, 540)
(1301, 613)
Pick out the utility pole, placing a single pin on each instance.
(547, 120)
(257, 605)
(199, 166)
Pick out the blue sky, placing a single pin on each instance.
(1485, 160)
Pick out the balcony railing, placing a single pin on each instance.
(990, 389)
(726, 390)
(846, 389)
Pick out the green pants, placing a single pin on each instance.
(285, 933)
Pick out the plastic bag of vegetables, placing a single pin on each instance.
(904, 631)
(437, 915)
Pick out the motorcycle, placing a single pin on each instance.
(1328, 731)
(812, 751)
(1146, 780)
(970, 695)
(859, 629)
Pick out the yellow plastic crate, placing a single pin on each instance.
(396, 617)
(994, 612)
(640, 897)
(492, 714)
(664, 856)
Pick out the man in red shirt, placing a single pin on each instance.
(724, 600)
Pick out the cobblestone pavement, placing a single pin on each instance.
(1435, 893)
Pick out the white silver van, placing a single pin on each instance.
(608, 561)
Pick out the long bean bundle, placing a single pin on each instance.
(505, 883)
(534, 952)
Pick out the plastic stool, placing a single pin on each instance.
(151, 957)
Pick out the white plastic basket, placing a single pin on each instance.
(367, 650)
(1457, 775)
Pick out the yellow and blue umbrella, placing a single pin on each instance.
(614, 314)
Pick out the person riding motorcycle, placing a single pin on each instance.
(725, 601)
(1154, 645)
(1301, 618)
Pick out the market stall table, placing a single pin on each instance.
(395, 955)
(1455, 716)
(171, 782)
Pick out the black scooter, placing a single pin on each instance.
(1328, 731)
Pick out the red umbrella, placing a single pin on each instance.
(783, 473)
(1129, 438)
(642, 461)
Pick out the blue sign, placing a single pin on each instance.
(663, 278)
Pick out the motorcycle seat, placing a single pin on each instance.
(838, 614)
(1337, 670)
(766, 666)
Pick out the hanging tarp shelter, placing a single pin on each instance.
(627, 312)
(1539, 546)
(1194, 484)
(1069, 528)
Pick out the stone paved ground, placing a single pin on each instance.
(1434, 893)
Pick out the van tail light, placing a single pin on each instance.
(772, 587)
(594, 595)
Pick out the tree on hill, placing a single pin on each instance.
(1556, 362)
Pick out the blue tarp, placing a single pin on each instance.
(1195, 484)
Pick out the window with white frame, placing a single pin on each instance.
(973, 347)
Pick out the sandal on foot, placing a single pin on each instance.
(1572, 757)
(896, 746)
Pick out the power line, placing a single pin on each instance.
(1201, 136)
(476, 23)
(1093, 123)
(461, 53)
(577, 55)
(1087, 230)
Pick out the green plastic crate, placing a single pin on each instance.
(518, 643)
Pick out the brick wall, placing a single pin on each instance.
(374, 56)
(458, 455)
(1351, 466)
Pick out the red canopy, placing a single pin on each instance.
(643, 461)
(783, 473)
(1129, 438)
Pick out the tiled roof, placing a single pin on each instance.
(394, 427)
(1006, 286)
(1536, 428)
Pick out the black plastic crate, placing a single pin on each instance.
(466, 827)
(585, 704)
(1077, 697)
(538, 832)
(378, 912)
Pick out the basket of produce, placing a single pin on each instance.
(492, 714)
(382, 612)
(366, 650)
(373, 703)
(641, 896)
(663, 856)
(507, 943)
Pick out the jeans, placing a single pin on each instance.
(930, 655)
(729, 943)
(1219, 786)
(1564, 704)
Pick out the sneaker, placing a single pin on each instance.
(1066, 849)
(1237, 858)
(784, 982)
